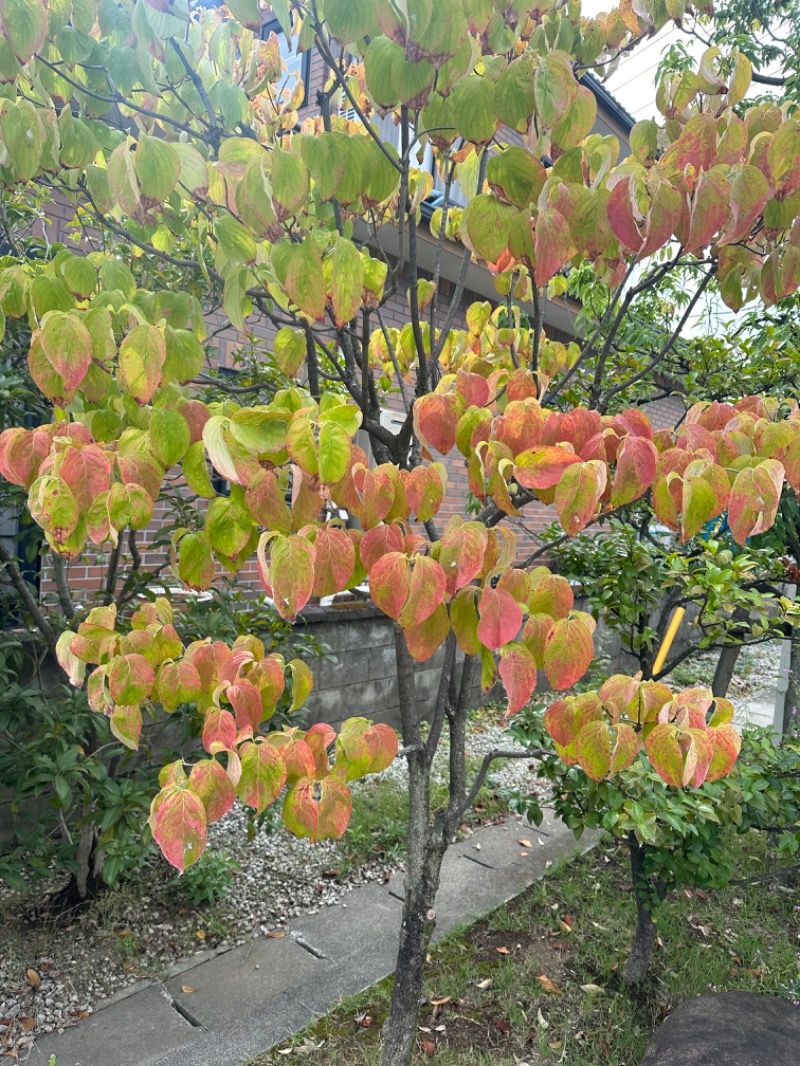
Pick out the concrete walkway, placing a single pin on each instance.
(249, 998)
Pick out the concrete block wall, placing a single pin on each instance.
(359, 674)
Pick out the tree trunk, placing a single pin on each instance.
(428, 838)
(637, 964)
(400, 1028)
(726, 664)
(791, 702)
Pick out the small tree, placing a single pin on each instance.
(173, 134)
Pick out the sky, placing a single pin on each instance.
(633, 83)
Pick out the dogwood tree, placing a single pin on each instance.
(173, 133)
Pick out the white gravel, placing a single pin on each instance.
(53, 973)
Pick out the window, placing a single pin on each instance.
(296, 62)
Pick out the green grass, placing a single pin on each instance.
(573, 929)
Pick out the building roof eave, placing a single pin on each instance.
(608, 103)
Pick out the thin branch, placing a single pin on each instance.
(26, 595)
(488, 759)
(62, 587)
(701, 288)
(198, 84)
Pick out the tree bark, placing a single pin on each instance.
(428, 838)
(791, 701)
(637, 965)
(726, 664)
(419, 922)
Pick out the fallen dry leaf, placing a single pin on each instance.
(276, 934)
(503, 1026)
(547, 984)
(485, 983)
(428, 1047)
(34, 980)
(26, 1023)
(564, 927)
(439, 1002)
(592, 988)
(525, 843)
(187, 989)
(502, 951)
(554, 1045)
(200, 934)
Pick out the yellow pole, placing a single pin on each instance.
(668, 639)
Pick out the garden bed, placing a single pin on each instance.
(54, 970)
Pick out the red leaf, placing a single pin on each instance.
(263, 775)
(462, 554)
(209, 781)
(321, 818)
(754, 499)
(665, 753)
(334, 561)
(636, 469)
(246, 701)
(179, 826)
(578, 494)
(219, 731)
(389, 581)
(726, 744)
(380, 541)
(568, 652)
(291, 571)
(426, 593)
(423, 640)
(518, 671)
(553, 243)
(500, 618)
(435, 418)
(541, 468)
(552, 594)
(425, 488)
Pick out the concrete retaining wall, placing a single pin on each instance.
(359, 674)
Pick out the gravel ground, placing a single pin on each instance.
(52, 973)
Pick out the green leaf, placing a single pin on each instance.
(514, 99)
(23, 135)
(325, 161)
(289, 350)
(350, 20)
(473, 110)
(236, 242)
(196, 566)
(263, 776)
(485, 226)
(347, 281)
(334, 452)
(67, 346)
(299, 270)
(554, 87)
(516, 176)
(157, 167)
(195, 470)
(141, 357)
(169, 436)
(24, 26)
(290, 183)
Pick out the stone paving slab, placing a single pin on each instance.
(258, 994)
(144, 1024)
(240, 981)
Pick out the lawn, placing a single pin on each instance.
(537, 981)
